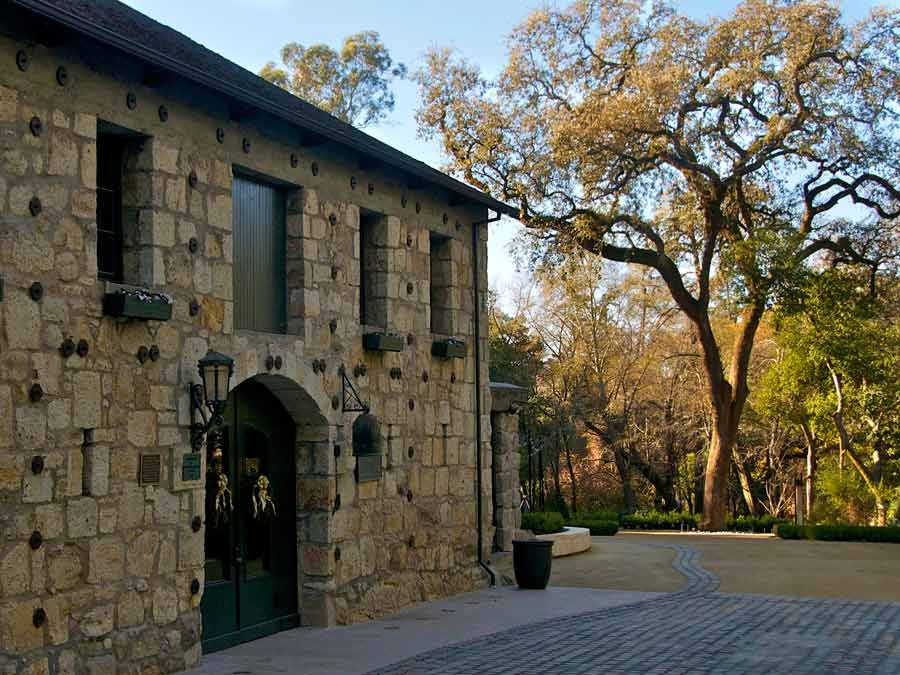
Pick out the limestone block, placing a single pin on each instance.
(15, 567)
(75, 472)
(102, 665)
(202, 276)
(63, 155)
(32, 252)
(98, 622)
(176, 195)
(57, 609)
(131, 508)
(86, 125)
(165, 605)
(48, 519)
(142, 428)
(81, 517)
(218, 209)
(190, 549)
(88, 394)
(222, 174)
(141, 554)
(64, 568)
(130, 610)
(89, 165)
(106, 560)
(9, 101)
(6, 419)
(23, 321)
(17, 632)
(96, 470)
(84, 204)
(310, 202)
(165, 157)
(37, 488)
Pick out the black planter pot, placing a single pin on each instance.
(532, 560)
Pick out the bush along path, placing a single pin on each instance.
(695, 629)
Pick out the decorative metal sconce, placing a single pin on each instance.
(215, 374)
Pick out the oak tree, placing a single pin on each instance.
(353, 83)
(718, 153)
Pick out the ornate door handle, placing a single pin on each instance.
(262, 499)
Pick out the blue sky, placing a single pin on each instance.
(251, 32)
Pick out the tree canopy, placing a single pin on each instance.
(713, 152)
(353, 83)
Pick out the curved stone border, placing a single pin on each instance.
(570, 541)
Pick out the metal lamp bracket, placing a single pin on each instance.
(350, 397)
(201, 422)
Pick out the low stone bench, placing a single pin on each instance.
(571, 540)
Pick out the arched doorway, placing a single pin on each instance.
(251, 541)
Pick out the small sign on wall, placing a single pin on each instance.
(190, 466)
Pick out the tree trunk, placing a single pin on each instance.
(746, 484)
(811, 461)
(715, 489)
(624, 469)
(571, 471)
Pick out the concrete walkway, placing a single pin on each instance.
(362, 647)
(696, 629)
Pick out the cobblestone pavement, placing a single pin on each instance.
(695, 630)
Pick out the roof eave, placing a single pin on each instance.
(339, 132)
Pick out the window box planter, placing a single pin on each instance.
(382, 342)
(449, 349)
(137, 304)
(532, 561)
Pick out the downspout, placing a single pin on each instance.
(478, 393)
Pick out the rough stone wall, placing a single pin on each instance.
(507, 516)
(117, 558)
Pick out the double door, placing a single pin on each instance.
(251, 543)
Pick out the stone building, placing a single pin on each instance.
(339, 274)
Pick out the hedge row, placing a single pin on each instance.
(543, 522)
(655, 520)
(598, 528)
(839, 533)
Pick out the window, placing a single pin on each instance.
(442, 284)
(259, 256)
(373, 269)
(110, 156)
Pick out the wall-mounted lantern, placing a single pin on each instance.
(215, 374)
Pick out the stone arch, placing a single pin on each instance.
(316, 492)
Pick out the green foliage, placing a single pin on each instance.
(840, 533)
(543, 522)
(353, 84)
(516, 354)
(598, 528)
(763, 524)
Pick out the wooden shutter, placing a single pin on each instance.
(259, 257)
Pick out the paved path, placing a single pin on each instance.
(694, 630)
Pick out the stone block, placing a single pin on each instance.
(75, 472)
(141, 554)
(9, 103)
(98, 622)
(81, 517)
(23, 321)
(96, 470)
(48, 519)
(165, 605)
(106, 560)
(15, 568)
(63, 155)
(86, 125)
(142, 428)
(64, 568)
(17, 632)
(88, 394)
(6, 416)
(37, 487)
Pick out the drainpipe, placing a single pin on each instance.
(478, 393)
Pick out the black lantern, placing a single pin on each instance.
(215, 374)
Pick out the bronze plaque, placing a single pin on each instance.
(251, 467)
(190, 466)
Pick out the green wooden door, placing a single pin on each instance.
(251, 543)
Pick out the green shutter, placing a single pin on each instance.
(259, 255)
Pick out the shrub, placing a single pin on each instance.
(839, 533)
(598, 528)
(750, 524)
(655, 520)
(543, 522)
